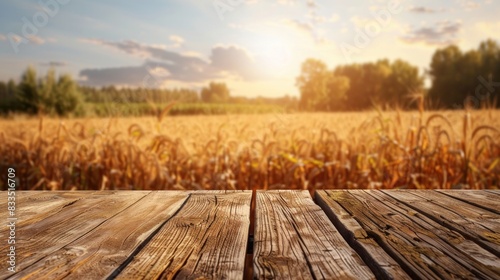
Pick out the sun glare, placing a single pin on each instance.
(275, 53)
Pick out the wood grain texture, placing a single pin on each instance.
(434, 234)
(480, 225)
(39, 240)
(383, 265)
(294, 239)
(26, 201)
(205, 239)
(425, 249)
(489, 200)
(32, 207)
(103, 249)
(22, 196)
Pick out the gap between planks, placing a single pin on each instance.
(384, 271)
(185, 247)
(481, 263)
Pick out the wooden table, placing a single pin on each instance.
(353, 234)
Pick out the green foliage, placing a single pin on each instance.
(337, 92)
(65, 96)
(320, 89)
(138, 95)
(215, 93)
(223, 109)
(7, 90)
(49, 95)
(145, 109)
(8, 100)
(287, 103)
(28, 94)
(381, 82)
(470, 77)
(356, 86)
(313, 84)
(403, 80)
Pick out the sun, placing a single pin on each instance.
(274, 52)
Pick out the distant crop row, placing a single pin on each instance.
(149, 109)
(295, 151)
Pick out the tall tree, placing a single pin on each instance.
(28, 93)
(468, 78)
(313, 84)
(48, 96)
(66, 97)
(11, 88)
(46, 91)
(403, 81)
(337, 92)
(445, 75)
(8, 100)
(215, 92)
(489, 51)
(366, 82)
(3, 91)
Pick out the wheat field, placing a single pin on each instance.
(415, 150)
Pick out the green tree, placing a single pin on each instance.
(337, 91)
(3, 91)
(313, 84)
(66, 96)
(445, 75)
(28, 94)
(48, 96)
(8, 100)
(215, 92)
(11, 88)
(367, 83)
(403, 80)
(459, 78)
(489, 52)
(46, 91)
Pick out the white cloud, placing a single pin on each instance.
(177, 40)
(440, 33)
(173, 65)
(308, 29)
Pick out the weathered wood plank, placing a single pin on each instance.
(100, 252)
(383, 265)
(425, 249)
(295, 240)
(484, 199)
(32, 207)
(39, 240)
(496, 191)
(480, 225)
(206, 238)
(20, 196)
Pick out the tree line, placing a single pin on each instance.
(62, 96)
(469, 78)
(48, 95)
(356, 86)
(458, 79)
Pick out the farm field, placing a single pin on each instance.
(414, 150)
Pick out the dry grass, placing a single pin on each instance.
(301, 151)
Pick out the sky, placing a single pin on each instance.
(256, 47)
